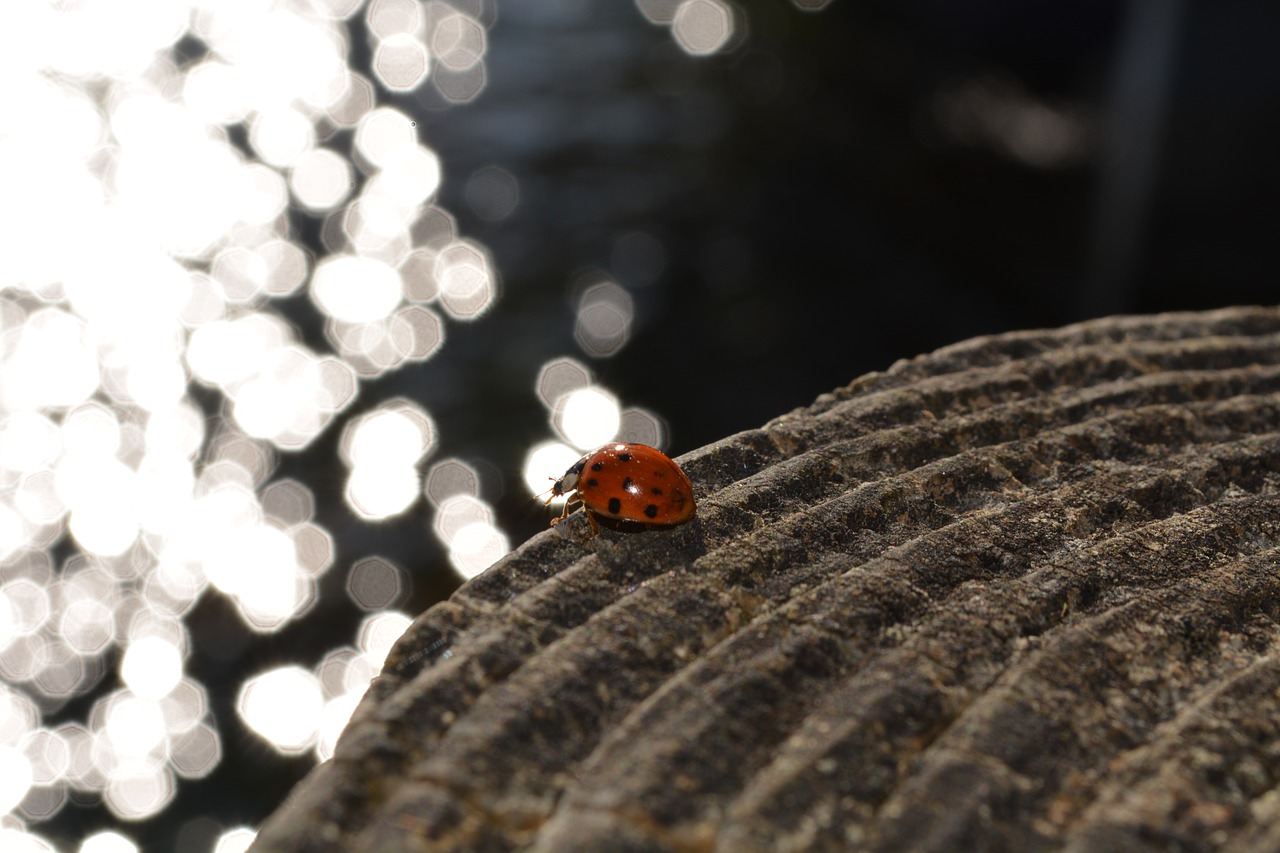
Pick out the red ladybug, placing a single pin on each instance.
(627, 482)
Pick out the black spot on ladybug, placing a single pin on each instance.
(659, 474)
(592, 483)
(651, 510)
(623, 457)
(615, 506)
(597, 466)
(655, 491)
(629, 486)
(677, 498)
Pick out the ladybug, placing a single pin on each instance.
(627, 482)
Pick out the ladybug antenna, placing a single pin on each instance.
(548, 493)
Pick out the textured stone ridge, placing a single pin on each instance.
(1019, 594)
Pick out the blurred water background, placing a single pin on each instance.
(303, 301)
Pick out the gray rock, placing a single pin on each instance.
(1019, 594)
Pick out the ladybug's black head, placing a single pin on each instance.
(569, 481)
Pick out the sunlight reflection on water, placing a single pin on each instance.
(145, 251)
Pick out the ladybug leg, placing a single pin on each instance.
(562, 515)
(595, 525)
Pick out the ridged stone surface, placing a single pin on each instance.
(1019, 594)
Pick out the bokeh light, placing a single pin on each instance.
(560, 377)
(140, 792)
(465, 524)
(49, 754)
(377, 634)
(256, 566)
(288, 502)
(409, 178)
(387, 18)
(658, 11)
(235, 840)
(493, 193)
(354, 289)
(382, 450)
(477, 546)
(52, 365)
(640, 426)
(466, 280)
(458, 40)
(345, 673)
(997, 112)
(196, 752)
(381, 132)
(450, 477)
(588, 417)
(20, 841)
(280, 136)
(320, 179)
(134, 728)
(337, 713)
(283, 706)
(401, 62)
(155, 381)
(603, 325)
(545, 463)
(375, 584)
(703, 26)
(107, 842)
(152, 667)
(15, 777)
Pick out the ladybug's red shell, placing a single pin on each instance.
(630, 482)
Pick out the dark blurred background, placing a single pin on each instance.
(845, 188)
(853, 186)
(841, 189)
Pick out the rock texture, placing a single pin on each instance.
(1019, 594)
